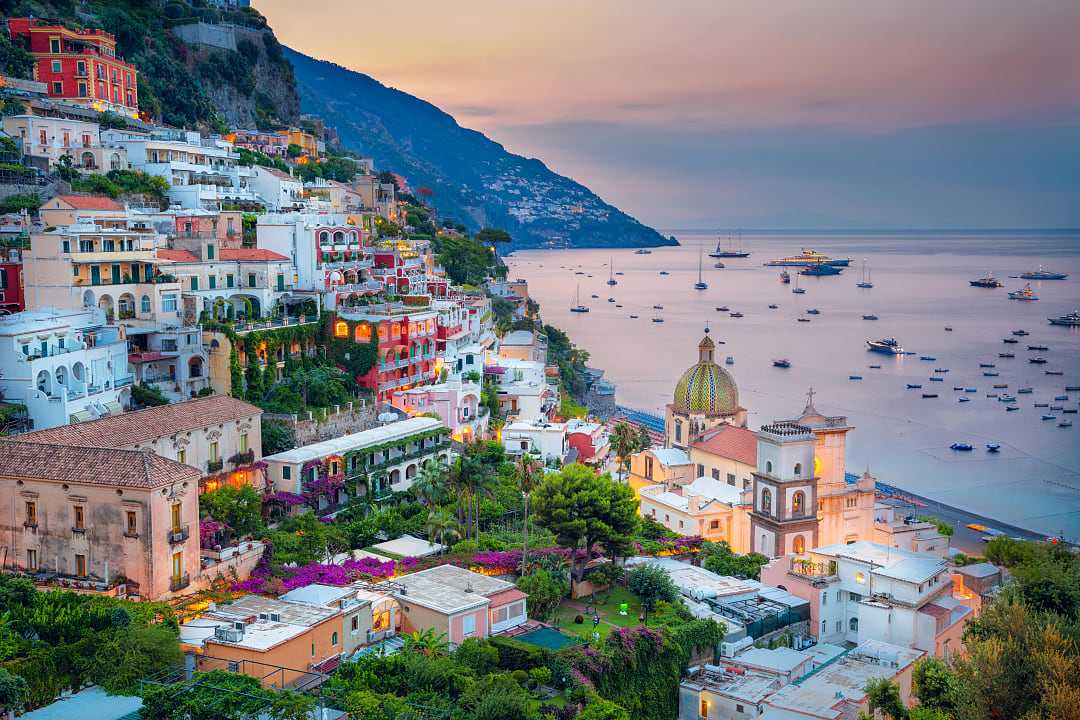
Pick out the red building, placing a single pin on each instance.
(79, 65)
(11, 287)
(407, 356)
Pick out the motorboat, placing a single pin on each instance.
(619, 306)
(1072, 388)
(633, 317)
(1001, 386)
(1049, 417)
(782, 363)
(802, 319)
(993, 447)
(718, 265)
(1024, 391)
(870, 316)
(941, 370)
(914, 386)
(809, 258)
(657, 307)
(658, 319)
(723, 308)
(1043, 348)
(961, 446)
(595, 297)
(1065, 424)
(992, 395)
(620, 273)
(643, 251)
(865, 282)
(1011, 408)
(991, 374)
(936, 379)
(928, 358)
(1070, 411)
(1010, 341)
(1041, 274)
(1055, 372)
(1070, 320)
(875, 367)
(963, 399)
(986, 365)
(731, 251)
(1037, 360)
(1061, 398)
(664, 272)
(1007, 398)
(578, 307)
(958, 388)
(1026, 294)
(1056, 408)
(773, 307)
(854, 377)
(785, 277)
(813, 311)
(729, 360)
(887, 346)
(948, 329)
(1006, 355)
(1041, 405)
(970, 390)
(929, 395)
(1020, 333)
(736, 314)
(821, 270)
(611, 300)
(989, 281)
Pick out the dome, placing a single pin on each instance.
(706, 387)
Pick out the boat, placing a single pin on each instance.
(1024, 391)
(1037, 360)
(1038, 405)
(914, 386)
(700, 284)
(611, 272)
(871, 316)
(991, 374)
(802, 319)
(657, 307)
(1072, 388)
(865, 282)
(730, 252)
(991, 395)
(875, 367)
(987, 282)
(785, 277)
(1025, 294)
(618, 306)
(992, 447)
(941, 370)
(718, 265)
(798, 290)
(1041, 274)
(1061, 398)
(854, 377)
(962, 446)
(1055, 372)
(970, 390)
(936, 379)
(1010, 341)
(1070, 411)
(729, 360)
(809, 258)
(1001, 386)
(595, 297)
(986, 365)
(1049, 417)
(643, 251)
(1056, 408)
(1011, 408)
(821, 270)
(928, 358)
(813, 311)
(736, 314)
(773, 307)
(929, 395)
(658, 319)
(723, 308)
(620, 273)
(578, 307)
(782, 363)
(964, 399)
(1070, 320)
(664, 272)
(611, 300)
(1007, 398)
(948, 329)
(633, 317)
(887, 346)
(1038, 347)
(958, 388)
(1020, 333)
(1006, 355)
(1065, 424)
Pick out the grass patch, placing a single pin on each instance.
(608, 610)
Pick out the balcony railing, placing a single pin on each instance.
(178, 535)
(244, 458)
(214, 466)
(179, 582)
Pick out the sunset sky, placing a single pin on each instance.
(702, 113)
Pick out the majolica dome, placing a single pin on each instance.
(706, 388)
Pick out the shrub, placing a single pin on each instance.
(520, 677)
(540, 675)
(578, 619)
(477, 654)
(518, 655)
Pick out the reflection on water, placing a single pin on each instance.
(920, 287)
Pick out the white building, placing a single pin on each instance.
(326, 251)
(710, 508)
(64, 365)
(524, 391)
(55, 137)
(278, 189)
(538, 437)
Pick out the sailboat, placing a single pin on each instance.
(578, 307)
(611, 272)
(731, 252)
(865, 282)
(797, 290)
(700, 284)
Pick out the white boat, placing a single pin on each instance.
(578, 307)
(700, 284)
(611, 272)
(865, 282)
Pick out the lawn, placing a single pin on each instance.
(608, 610)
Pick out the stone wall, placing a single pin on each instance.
(200, 33)
(337, 421)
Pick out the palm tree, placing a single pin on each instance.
(625, 442)
(442, 528)
(528, 471)
(427, 642)
(429, 486)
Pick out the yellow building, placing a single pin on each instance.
(307, 142)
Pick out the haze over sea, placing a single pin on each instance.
(920, 286)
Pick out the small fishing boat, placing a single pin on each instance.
(803, 319)
(991, 374)
(992, 447)
(914, 386)
(1023, 391)
(1055, 372)
(1020, 333)
(1010, 341)
(1025, 294)
(961, 446)
(964, 399)
(970, 390)
(1006, 355)
(871, 316)
(722, 308)
(1057, 408)
(1041, 348)
(929, 395)
(813, 311)
(1039, 405)
(736, 314)
(1061, 398)
(633, 317)
(1002, 386)
(1072, 388)
(941, 370)
(618, 306)
(1049, 417)
(1011, 408)
(729, 360)
(928, 358)
(658, 319)
(854, 377)
(657, 307)
(986, 365)
(781, 363)
(1065, 424)
(1037, 360)
(958, 388)
(875, 367)
(1069, 411)
(991, 395)
(773, 307)
(595, 297)
(936, 379)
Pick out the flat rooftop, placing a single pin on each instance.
(387, 433)
(449, 589)
(748, 687)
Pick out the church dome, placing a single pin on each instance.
(706, 387)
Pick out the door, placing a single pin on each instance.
(116, 274)
(177, 566)
(95, 275)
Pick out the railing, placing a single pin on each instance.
(124, 381)
(214, 466)
(179, 582)
(811, 569)
(242, 327)
(178, 535)
(244, 458)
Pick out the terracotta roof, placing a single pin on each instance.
(249, 254)
(730, 441)
(91, 202)
(91, 465)
(177, 255)
(149, 357)
(935, 610)
(505, 597)
(131, 428)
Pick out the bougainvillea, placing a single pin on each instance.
(323, 574)
(286, 498)
(208, 531)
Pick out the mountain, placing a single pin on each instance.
(474, 179)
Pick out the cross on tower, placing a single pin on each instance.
(810, 397)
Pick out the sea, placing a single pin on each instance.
(920, 287)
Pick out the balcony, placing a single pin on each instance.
(178, 535)
(179, 582)
(243, 458)
(214, 466)
(814, 570)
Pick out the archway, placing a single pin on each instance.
(799, 545)
(88, 161)
(395, 476)
(78, 371)
(195, 367)
(410, 471)
(114, 162)
(105, 302)
(798, 503)
(44, 382)
(88, 299)
(126, 306)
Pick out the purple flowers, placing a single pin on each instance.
(286, 498)
(324, 574)
(209, 529)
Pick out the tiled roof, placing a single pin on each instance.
(91, 202)
(148, 357)
(177, 255)
(250, 254)
(730, 441)
(90, 465)
(280, 174)
(131, 428)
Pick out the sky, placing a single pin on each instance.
(764, 114)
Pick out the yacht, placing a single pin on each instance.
(1020, 333)
(1026, 294)
(870, 316)
(1006, 355)
(962, 446)
(722, 308)
(1070, 320)
(813, 311)
(611, 272)
(963, 399)
(1041, 274)
(865, 282)
(914, 386)
(887, 346)
(730, 252)
(736, 314)
(821, 270)
(782, 363)
(578, 307)
(1042, 348)
(987, 282)
(1010, 341)
(700, 284)
(809, 258)
(993, 447)
(1037, 360)
(986, 365)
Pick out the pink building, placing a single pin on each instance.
(456, 403)
(589, 439)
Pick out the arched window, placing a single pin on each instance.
(798, 503)
(768, 466)
(766, 501)
(339, 237)
(799, 546)
(333, 639)
(853, 624)
(798, 469)
(324, 238)
(144, 304)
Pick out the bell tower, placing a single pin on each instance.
(784, 517)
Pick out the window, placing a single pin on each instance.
(31, 560)
(132, 523)
(312, 649)
(214, 451)
(739, 708)
(54, 45)
(333, 639)
(144, 304)
(355, 625)
(798, 469)
(66, 247)
(56, 66)
(766, 501)
(209, 252)
(80, 517)
(194, 282)
(213, 282)
(768, 466)
(243, 442)
(678, 431)
(251, 279)
(31, 513)
(824, 598)
(823, 631)
(839, 595)
(839, 626)
(286, 473)
(851, 502)
(798, 503)
(229, 282)
(799, 546)
(177, 566)
(468, 625)
(853, 624)
(80, 565)
(700, 470)
(648, 467)
(168, 303)
(234, 667)
(58, 88)
(730, 479)
(860, 578)
(175, 517)
(181, 456)
(714, 525)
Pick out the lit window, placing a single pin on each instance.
(860, 578)
(341, 329)
(214, 450)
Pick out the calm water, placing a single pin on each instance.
(920, 286)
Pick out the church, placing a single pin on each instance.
(780, 490)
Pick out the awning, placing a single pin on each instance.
(81, 416)
(114, 407)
